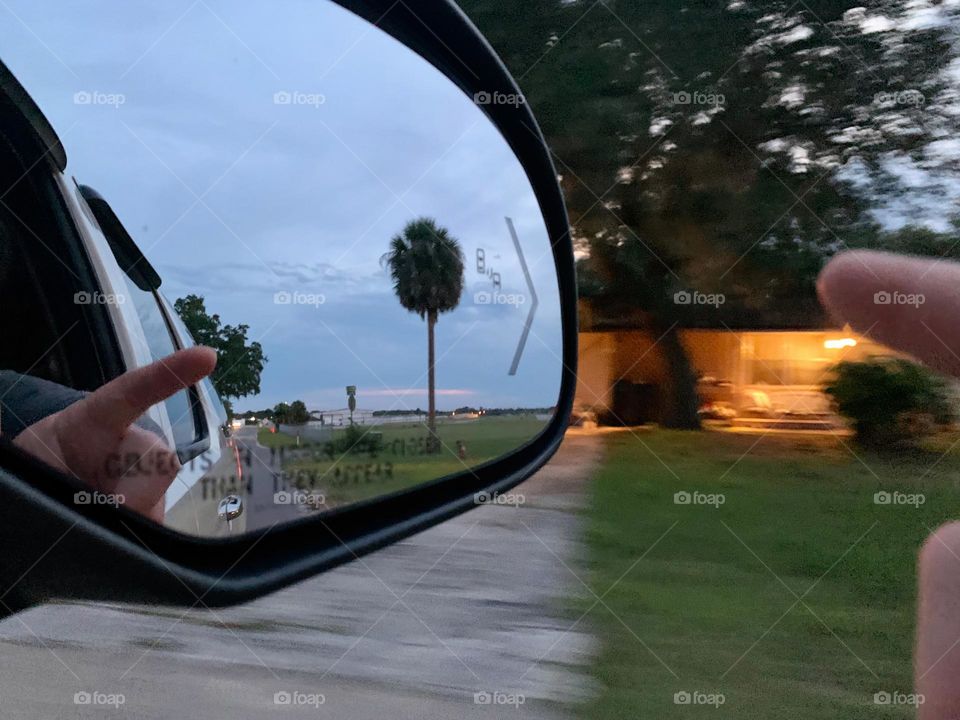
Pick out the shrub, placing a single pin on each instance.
(356, 440)
(890, 401)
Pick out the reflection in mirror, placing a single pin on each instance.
(339, 221)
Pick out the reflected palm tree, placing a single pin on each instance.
(426, 266)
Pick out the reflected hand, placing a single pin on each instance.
(928, 329)
(95, 438)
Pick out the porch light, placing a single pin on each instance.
(840, 343)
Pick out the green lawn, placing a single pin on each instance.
(402, 462)
(705, 605)
(277, 440)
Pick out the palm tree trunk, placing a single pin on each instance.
(431, 385)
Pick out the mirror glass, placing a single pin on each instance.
(326, 209)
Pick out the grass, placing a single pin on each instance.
(711, 592)
(275, 440)
(402, 461)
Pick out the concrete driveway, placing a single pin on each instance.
(464, 620)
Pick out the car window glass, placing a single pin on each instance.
(161, 344)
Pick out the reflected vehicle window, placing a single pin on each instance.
(186, 339)
(157, 333)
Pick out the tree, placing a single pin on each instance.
(239, 363)
(298, 413)
(426, 265)
(281, 414)
(266, 414)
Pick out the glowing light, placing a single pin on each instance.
(839, 344)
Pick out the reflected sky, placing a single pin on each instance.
(265, 152)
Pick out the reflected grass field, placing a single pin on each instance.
(401, 459)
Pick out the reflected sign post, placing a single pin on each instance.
(351, 400)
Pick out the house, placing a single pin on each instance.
(754, 377)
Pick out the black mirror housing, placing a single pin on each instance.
(57, 549)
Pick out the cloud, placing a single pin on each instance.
(403, 392)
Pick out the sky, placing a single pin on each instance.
(263, 154)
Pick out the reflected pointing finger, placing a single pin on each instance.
(143, 470)
(120, 402)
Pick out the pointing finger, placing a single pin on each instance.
(120, 402)
(909, 303)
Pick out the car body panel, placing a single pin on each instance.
(32, 119)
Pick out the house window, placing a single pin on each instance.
(786, 358)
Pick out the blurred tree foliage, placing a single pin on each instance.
(732, 147)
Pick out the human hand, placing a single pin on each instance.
(95, 438)
(928, 329)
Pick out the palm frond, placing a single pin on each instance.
(426, 266)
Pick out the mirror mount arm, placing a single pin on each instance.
(128, 255)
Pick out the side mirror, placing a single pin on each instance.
(389, 227)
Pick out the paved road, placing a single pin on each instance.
(262, 465)
(254, 474)
(413, 631)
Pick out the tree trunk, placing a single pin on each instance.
(431, 386)
(679, 401)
